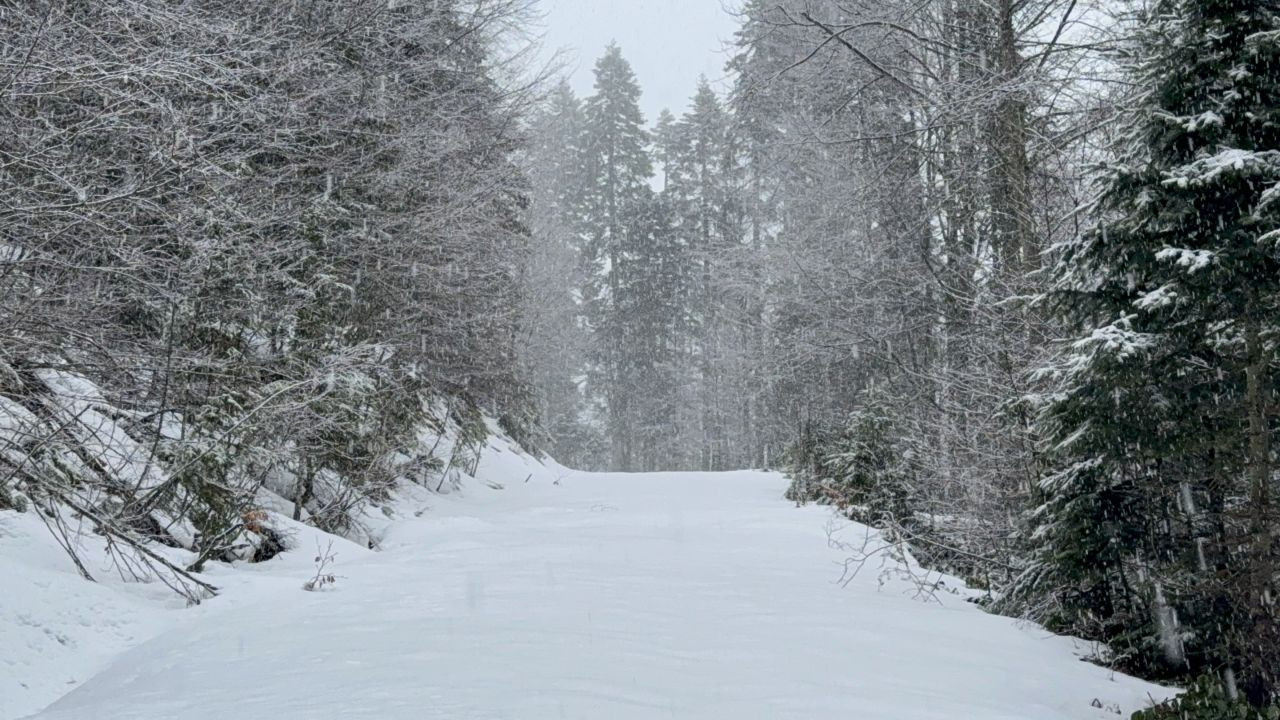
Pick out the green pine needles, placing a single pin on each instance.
(1157, 531)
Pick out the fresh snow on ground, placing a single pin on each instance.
(572, 595)
(56, 629)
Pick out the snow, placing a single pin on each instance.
(1194, 123)
(1207, 169)
(1161, 297)
(94, 424)
(17, 425)
(1268, 196)
(1118, 338)
(566, 595)
(56, 629)
(1192, 260)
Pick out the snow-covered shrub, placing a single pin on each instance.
(345, 453)
(10, 500)
(871, 469)
(804, 464)
(208, 479)
(865, 468)
(1207, 700)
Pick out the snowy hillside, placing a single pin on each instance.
(57, 630)
(569, 595)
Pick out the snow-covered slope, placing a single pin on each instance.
(57, 630)
(606, 597)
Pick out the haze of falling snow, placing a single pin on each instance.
(995, 285)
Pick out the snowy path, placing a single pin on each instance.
(608, 597)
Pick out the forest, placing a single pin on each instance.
(1000, 279)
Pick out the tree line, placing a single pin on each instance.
(640, 233)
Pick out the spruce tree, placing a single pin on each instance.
(667, 149)
(701, 174)
(650, 315)
(618, 170)
(1158, 530)
(555, 344)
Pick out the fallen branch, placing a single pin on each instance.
(108, 529)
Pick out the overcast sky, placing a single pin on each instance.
(668, 42)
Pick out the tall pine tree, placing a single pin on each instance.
(701, 167)
(618, 170)
(555, 342)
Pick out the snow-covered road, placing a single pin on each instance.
(606, 597)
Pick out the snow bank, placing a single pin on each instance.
(57, 629)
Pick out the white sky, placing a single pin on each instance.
(668, 42)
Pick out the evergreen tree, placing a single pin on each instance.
(701, 165)
(649, 318)
(555, 342)
(618, 169)
(667, 148)
(1158, 530)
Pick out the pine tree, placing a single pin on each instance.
(555, 343)
(701, 165)
(667, 149)
(650, 315)
(1158, 530)
(755, 137)
(618, 168)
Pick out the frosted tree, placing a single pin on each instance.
(618, 168)
(1159, 527)
(275, 237)
(701, 170)
(555, 344)
(649, 318)
(905, 165)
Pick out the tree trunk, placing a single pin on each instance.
(1011, 185)
(1260, 596)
